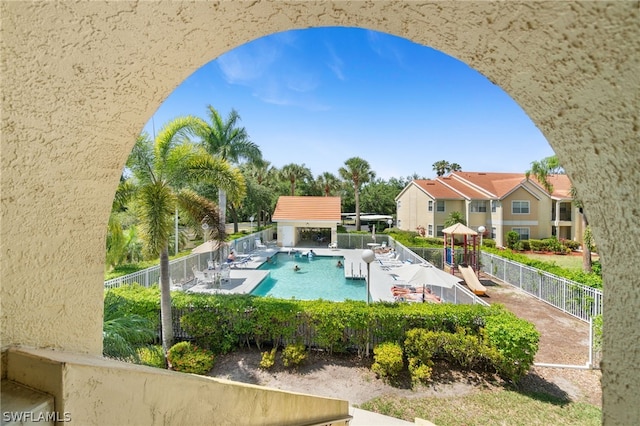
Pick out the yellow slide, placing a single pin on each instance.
(472, 280)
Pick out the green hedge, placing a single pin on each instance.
(593, 279)
(223, 323)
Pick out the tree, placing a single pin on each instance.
(161, 168)
(116, 239)
(441, 167)
(587, 238)
(544, 168)
(453, 218)
(262, 194)
(379, 196)
(231, 143)
(329, 183)
(357, 172)
(293, 173)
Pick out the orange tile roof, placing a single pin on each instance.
(500, 184)
(307, 208)
(561, 186)
(465, 190)
(437, 189)
(497, 184)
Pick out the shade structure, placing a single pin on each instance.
(209, 246)
(426, 274)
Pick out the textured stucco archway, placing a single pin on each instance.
(81, 79)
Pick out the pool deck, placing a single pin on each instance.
(244, 277)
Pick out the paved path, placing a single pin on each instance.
(564, 339)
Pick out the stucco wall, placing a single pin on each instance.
(97, 391)
(79, 80)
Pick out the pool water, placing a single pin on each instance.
(318, 278)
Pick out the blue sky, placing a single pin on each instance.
(320, 96)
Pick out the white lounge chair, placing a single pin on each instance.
(333, 246)
(259, 244)
(202, 278)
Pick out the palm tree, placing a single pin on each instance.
(161, 168)
(440, 167)
(293, 173)
(116, 239)
(454, 217)
(224, 139)
(357, 172)
(544, 168)
(329, 183)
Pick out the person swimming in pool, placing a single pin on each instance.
(339, 264)
(296, 268)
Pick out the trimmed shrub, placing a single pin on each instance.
(388, 361)
(512, 239)
(152, 356)
(488, 242)
(420, 373)
(293, 355)
(189, 358)
(268, 358)
(516, 342)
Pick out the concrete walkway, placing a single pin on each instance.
(368, 418)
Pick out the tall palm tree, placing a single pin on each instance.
(440, 167)
(329, 183)
(357, 172)
(161, 168)
(225, 139)
(293, 173)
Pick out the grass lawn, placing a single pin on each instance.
(490, 407)
(564, 261)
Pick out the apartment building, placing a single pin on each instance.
(501, 202)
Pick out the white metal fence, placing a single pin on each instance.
(578, 300)
(181, 269)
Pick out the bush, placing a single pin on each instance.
(152, 356)
(512, 239)
(388, 361)
(293, 355)
(516, 342)
(537, 245)
(488, 242)
(189, 358)
(268, 358)
(420, 373)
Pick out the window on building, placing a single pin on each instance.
(478, 207)
(439, 229)
(520, 207)
(398, 203)
(494, 205)
(430, 230)
(523, 233)
(440, 206)
(430, 208)
(494, 232)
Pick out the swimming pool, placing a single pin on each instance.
(318, 278)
